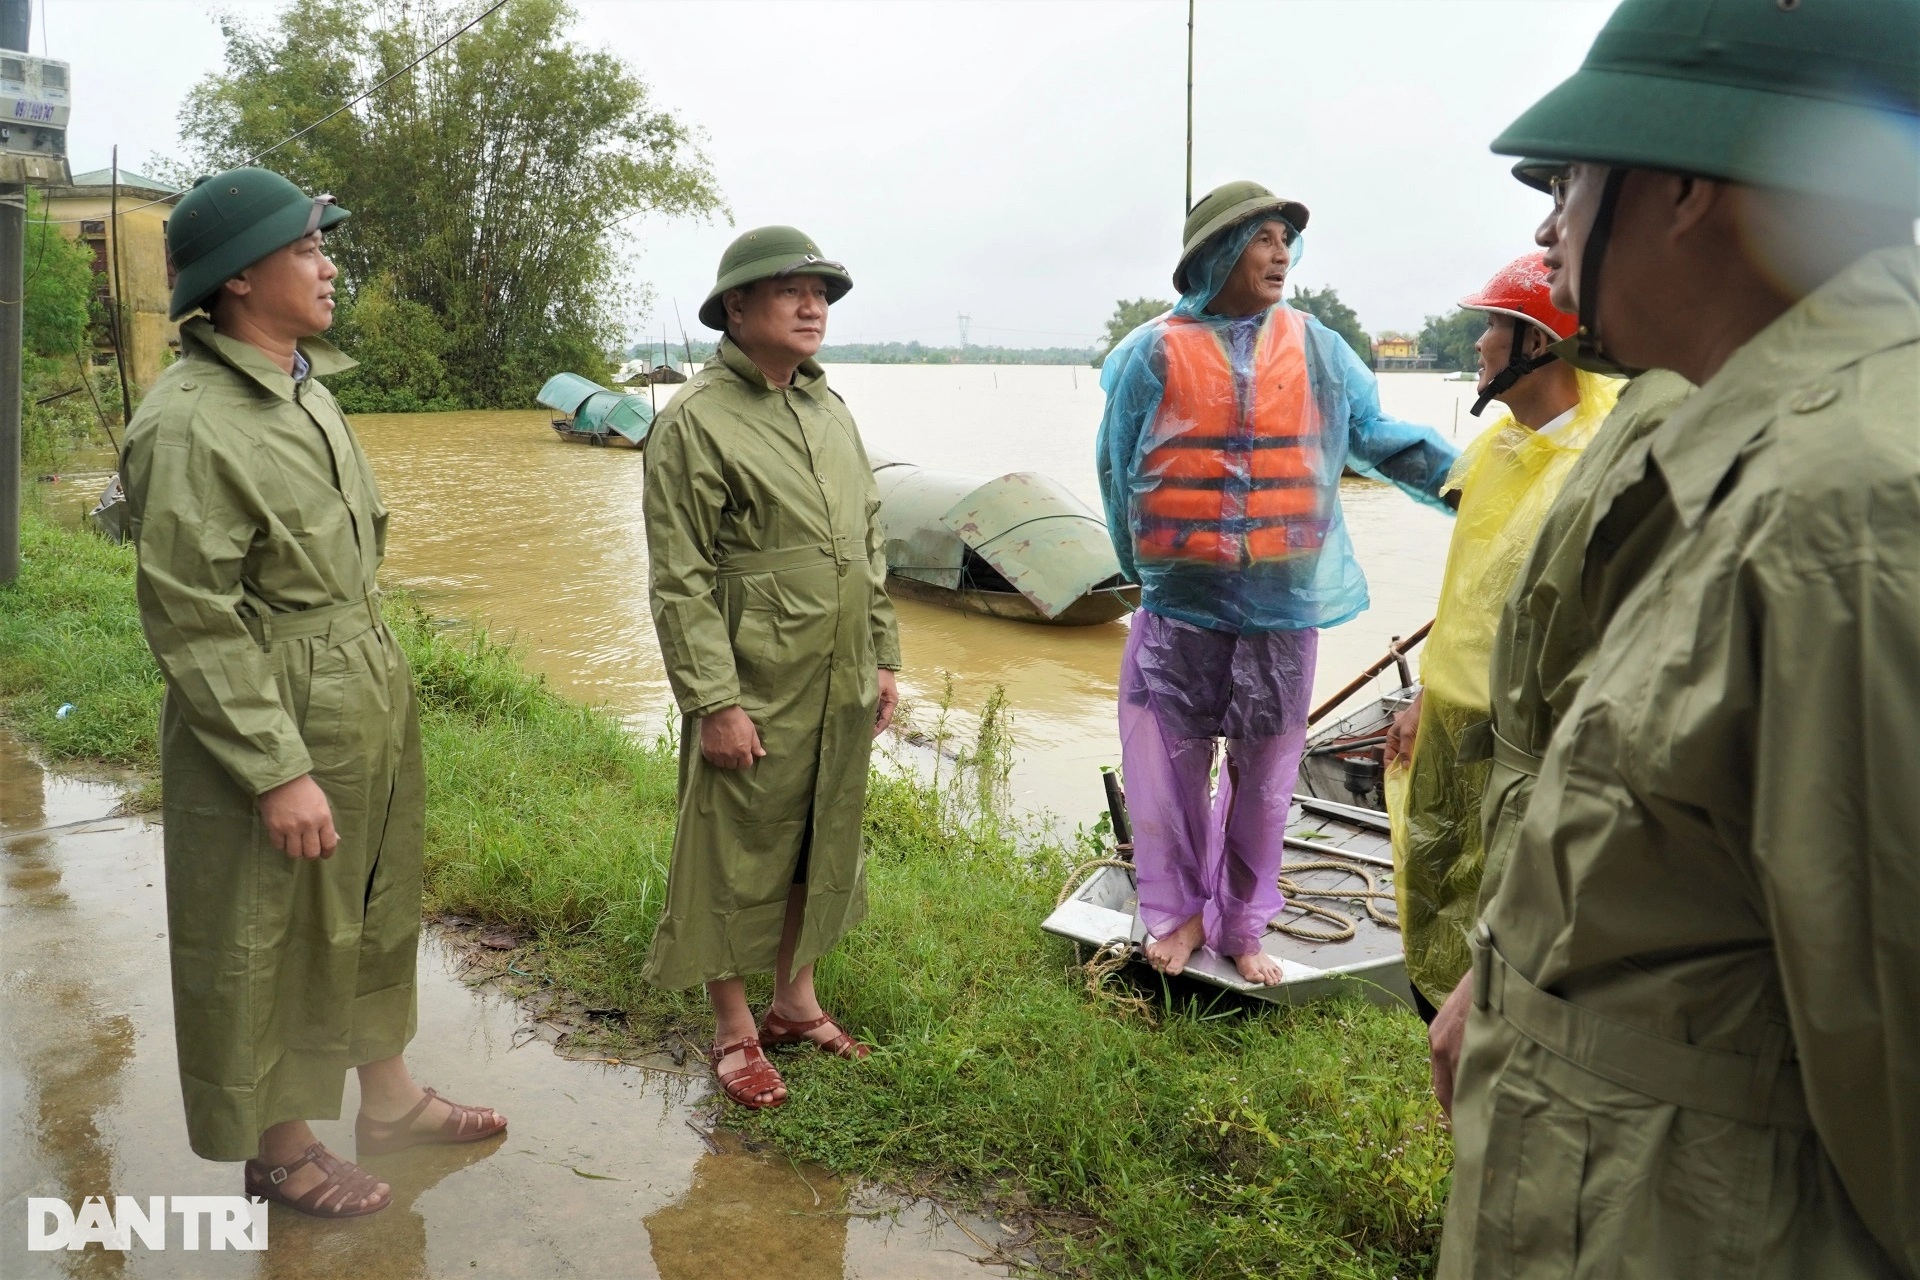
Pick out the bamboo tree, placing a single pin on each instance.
(489, 185)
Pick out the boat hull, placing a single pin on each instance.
(566, 432)
(1092, 609)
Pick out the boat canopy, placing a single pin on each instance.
(1039, 537)
(596, 410)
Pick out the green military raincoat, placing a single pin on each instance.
(259, 530)
(1694, 1048)
(769, 593)
(1546, 637)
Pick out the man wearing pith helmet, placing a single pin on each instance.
(289, 745)
(1229, 422)
(769, 595)
(1692, 1047)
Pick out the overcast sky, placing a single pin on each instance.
(1018, 162)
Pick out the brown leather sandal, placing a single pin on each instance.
(345, 1184)
(463, 1124)
(776, 1032)
(744, 1085)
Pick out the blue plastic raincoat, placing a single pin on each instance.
(1317, 582)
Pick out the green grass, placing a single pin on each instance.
(1187, 1141)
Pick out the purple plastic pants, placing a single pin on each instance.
(1197, 850)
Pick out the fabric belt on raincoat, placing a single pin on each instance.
(339, 622)
(782, 559)
(1505, 753)
(1752, 1089)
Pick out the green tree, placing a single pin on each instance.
(57, 310)
(1451, 338)
(489, 185)
(1128, 315)
(1325, 306)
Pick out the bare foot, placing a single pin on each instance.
(1169, 954)
(1259, 968)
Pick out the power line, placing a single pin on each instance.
(492, 9)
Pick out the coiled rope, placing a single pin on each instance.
(1345, 925)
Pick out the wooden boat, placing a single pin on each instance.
(1015, 546)
(1340, 853)
(595, 415)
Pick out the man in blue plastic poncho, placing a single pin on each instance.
(1228, 423)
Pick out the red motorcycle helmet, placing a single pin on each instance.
(1519, 291)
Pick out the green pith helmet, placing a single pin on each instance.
(1808, 95)
(766, 252)
(1538, 173)
(1224, 206)
(230, 221)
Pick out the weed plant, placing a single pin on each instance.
(1199, 1139)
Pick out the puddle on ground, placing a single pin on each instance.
(601, 1173)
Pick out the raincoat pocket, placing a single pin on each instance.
(338, 710)
(1534, 1166)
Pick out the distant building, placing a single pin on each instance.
(84, 212)
(1400, 354)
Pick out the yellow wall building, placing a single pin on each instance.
(84, 211)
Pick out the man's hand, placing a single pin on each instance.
(1403, 729)
(728, 739)
(1443, 1041)
(299, 819)
(889, 699)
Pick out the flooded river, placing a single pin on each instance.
(496, 519)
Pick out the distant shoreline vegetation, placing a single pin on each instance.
(900, 353)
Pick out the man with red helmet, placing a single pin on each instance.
(1440, 750)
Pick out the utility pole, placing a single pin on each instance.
(15, 16)
(1188, 207)
(964, 322)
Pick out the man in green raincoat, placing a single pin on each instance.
(769, 594)
(289, 745)
(1691, 1047)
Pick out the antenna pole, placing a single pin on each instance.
(118, 310)
(1189, 205)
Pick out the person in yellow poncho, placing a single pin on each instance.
(1439, 751)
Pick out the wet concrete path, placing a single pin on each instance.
(599, 1175)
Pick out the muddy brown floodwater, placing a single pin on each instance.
(600, 1174)
(495, 518)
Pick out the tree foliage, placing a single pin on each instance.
(1451, 338)
(488, 185)
(1325, 306)
(1129, 314)
(57, 309)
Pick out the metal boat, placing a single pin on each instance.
(595, 415)
(1014, 546)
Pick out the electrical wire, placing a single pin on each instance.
(488, 12)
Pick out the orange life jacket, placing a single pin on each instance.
(1233, 474)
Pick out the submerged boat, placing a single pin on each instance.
(1339, 932)
(1015, 546)
(595, 415)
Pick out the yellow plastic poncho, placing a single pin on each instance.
(1507, 479)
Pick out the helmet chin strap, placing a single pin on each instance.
(1587, 339)
(1518, 367)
